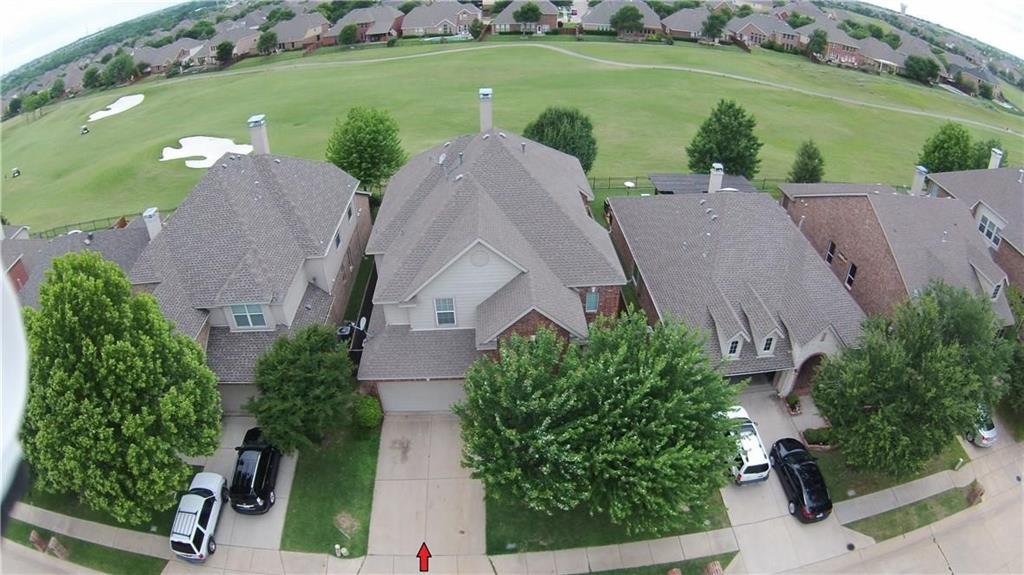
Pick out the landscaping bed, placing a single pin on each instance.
(688, 567)
(88, 554)
(513, 529)
(910, 517)
(333, 490)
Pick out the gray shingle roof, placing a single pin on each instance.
(878, 50)
(748, 271)
(394, 352)
(998, 188)
(687, 20)
(431, 15)
(507, 15)
(601, 14)
(834, 32)
(243, 232)
(295, 30)
(833, 189)
(766, 23)
(381, 19)
(696, 183)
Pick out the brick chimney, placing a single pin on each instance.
(486, 121)
(152, 219)
(918, 186)
(715, 181)
(258, 134)
(995, 158)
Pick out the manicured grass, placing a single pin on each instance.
(643, 118)
(513, 529)
(355, 299)
(88, 554)
(841, 478)
(689, 567)
(1013, 418)
(909, 517)
(333, 485)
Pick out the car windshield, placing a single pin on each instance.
(758, 468)
(183, 547)
(245, 471)
(202, 492)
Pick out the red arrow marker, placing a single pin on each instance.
(424, 556)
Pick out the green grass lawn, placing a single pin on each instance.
(643, 118)
(88, 554)
(513, 529)
(841, 478)
(909, 517)
(689, 567)
(333, 487)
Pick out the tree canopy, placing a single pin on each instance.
(915, 380)
(949, 150)
(267, 42)
(119, 70)
(91, 78)
(818, 42)
(921, 68)
(567, 130)
(349, 35)
(726, 137)
(713, 26)
(628, 20)
(528, 13)
(225, 52)
(543, 424)
(982, 152)
(116, 396)
(809, 166)
(366, 145)
(57, 88)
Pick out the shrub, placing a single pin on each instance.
(368, 413)
(392, 42)
(818, 436)
(792, 400)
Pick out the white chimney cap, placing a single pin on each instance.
(149, 213)
(997, 152)
(257, 120)
(486, 93)
(921, 169)
(716, 167)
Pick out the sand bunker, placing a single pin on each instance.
(211, 149)
(123, 103)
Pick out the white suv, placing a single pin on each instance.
(196, 519)
(751, 463)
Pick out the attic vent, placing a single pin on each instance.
(876, 191)
(277, 160)
(502, 134)
(441, 159)
(458, 177)
(702, 201)
(223, 165)
(714, 217)
(487, 136)
(708, 211)
(446, 144)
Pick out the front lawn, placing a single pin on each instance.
(688, 567)
(513, 529)
(332, 493)
(88, 554)
(842, 478)
(910, 517)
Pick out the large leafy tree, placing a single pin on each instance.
(809, 166)
(57, 88)
(818, 42)
(91, 78)
(921, 68)
(267, 42)
(566, 130)
(119, 70)
(527, 15)
(915, 380)
(982, 152)
(349, 35)
(948, 150)
(115, 395)
(14, 106)
(726, 137)
(628, 20)
(305, 385)
(713, 25)
(543, 424)
(225, 52)
(366, 145)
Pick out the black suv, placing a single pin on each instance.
(805, 489)
(252, 486)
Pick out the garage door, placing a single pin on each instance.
(420, 395)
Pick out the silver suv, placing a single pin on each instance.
(751, 463)
(197, 516)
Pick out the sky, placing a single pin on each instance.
(33, 28)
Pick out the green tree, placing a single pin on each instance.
(797, 20)
(628, 20)
(662, 9)
(922, 69)
(119, 70)
(982, 151)
(14, 106)
(543, 424)
(527, 16)
(744, 11)
(985, 90)
(566, 130)
(106, 58)
(892, 39)
(948, 150)
(57, 89)
(116, 396)
(476, 29)
(267, 42)
(279, 14)
(349, 35)
(898, 398)
(201, 30)
(367, 146)
(809, 166)
(91, 78)
(305, 388)
(818, 42)
(726, 137)
(875, 31)
(225, 52)
(408, 6)
(713, 26)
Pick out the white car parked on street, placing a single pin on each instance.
(751, 463)
(197, 516)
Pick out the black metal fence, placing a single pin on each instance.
(635, 185)
(94, 225)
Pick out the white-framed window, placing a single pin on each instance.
(769, 345)
(995, 290)
(248, 315)
(734, 348)
(444, 310)
(990, 230)
(592, 300)
(850, 275)
(831, 253)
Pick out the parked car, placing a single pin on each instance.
(985, 434)
(751, 463)
(252, 486)
(196, 519)
(801, 479)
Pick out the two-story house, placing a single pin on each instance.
(886, 246)
(478, 238)
(506, 21)
(733, 266)
(373, 24)
(263, 245)
(440, 19)
(599, 17)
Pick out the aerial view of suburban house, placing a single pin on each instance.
(755, 29)
(440, 19)
(840, 49)
(373, 24)
(162, 58)
(733, 266)
(996, 199)
(300, 32)
(886, 246)
(506, 22)
(598, 18)
(686, 23)
(263, 245)
(243, 38)
(478, 238)
(973, 75)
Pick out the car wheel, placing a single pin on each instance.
(792, 508)
(273, 497)
(212, 546)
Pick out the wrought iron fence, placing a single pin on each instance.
(94, 225)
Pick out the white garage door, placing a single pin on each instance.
(420, 395)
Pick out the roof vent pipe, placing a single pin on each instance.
(258, 134)
(486, 121)
(523, 146)
(460, 158)
(995, 158)
(717, 175)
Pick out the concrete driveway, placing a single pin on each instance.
(422, 493)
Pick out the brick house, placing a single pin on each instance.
(598, 18)
(755, 29)
(841, 48)
(996, 199)
(732, 266)
(373, 24)
(685, 24)
(302, 31)
(506, 22)
(478, 238)
(886, 246)
(440, 19)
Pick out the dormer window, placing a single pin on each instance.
(248, 316)
(769, 345)
(734, 348)
(995, 290)
(990, 230)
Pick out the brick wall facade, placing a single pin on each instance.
(530, 323)
(1012, 262)
(850, 222)
(342, 287)
(18, 275)
(609, 301)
